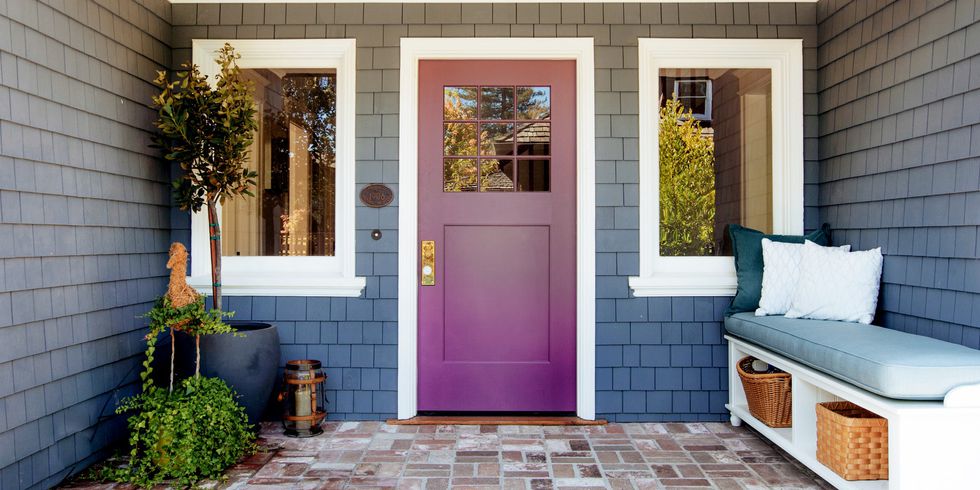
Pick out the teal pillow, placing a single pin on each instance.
(747, 249)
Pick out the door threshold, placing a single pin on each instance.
(494, 420)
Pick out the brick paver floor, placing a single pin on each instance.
(618, 456)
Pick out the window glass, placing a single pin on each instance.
(715, 157)
(507, 129)
(293, 211)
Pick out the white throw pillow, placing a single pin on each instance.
(837, 285)
(780, 275)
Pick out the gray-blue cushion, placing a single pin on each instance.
(888, 362)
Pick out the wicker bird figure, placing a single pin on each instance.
(179, 292)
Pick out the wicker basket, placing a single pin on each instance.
(770, 395)
(852, 441)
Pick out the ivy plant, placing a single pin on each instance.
(185, 433)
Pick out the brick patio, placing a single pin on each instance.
(619, 456)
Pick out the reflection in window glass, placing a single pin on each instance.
(293, 153)
(496, 139)
(533, 175)
(459, 174)
(534, 139)
(501, 129)
(459, 103)
(533, 103)
(715, 157)
(497, 103)
(496, 175)
(459, 139)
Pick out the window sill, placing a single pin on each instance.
(662, 285)
(294, 285)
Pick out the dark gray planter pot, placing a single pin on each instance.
(249, 363)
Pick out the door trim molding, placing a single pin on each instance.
(414, 49)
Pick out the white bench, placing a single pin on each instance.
(931, 444)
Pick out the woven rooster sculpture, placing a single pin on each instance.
(179, 292)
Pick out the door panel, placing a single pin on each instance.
(497, 196)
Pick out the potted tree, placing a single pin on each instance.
(185, 430)
(207, 130)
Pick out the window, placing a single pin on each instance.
(296, 235)
(505, 132)
(693, 94)
(721, 124)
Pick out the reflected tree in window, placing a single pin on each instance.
(687, 184)
(459, 138)
(307, 123)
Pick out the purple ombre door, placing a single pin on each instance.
(497, 201)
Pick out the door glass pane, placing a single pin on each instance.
(459, 139)
(459, 103)
(293, 153)
(497, 103)
(496, 174)
(533, 103)
(506, 125)
(534, 139)
(496, 139)
(534, 175)
(459, 174)
(715, 157)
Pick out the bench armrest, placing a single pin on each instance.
(963, 396)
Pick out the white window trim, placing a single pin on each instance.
(290, 276)
(415, 49)
(715, 276)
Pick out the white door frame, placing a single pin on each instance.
(412, 51)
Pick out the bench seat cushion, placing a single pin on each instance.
(887, 362)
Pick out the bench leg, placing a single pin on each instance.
(736, 421)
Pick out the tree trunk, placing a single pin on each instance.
(173, 351)
(197, 361)
(215, 228)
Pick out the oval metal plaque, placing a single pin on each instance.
(377, 195)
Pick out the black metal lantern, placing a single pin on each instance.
(303, 398)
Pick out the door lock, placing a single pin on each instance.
(428, 250)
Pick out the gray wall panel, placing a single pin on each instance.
(657, 359)
(899, 126)
(84, 224)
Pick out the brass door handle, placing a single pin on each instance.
(428, 266)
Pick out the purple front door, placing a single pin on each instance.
(497, 199)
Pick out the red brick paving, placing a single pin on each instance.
(616, 456)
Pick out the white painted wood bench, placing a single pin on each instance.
(932, 445)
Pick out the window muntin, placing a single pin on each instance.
(294, 153)
(714, 171)
(496, 139)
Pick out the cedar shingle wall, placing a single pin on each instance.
(900, 154)
(657, 359)
(84, 224)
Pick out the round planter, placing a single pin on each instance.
(248, 362)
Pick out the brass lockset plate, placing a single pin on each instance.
(428, 269)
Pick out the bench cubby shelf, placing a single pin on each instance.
(931, 445)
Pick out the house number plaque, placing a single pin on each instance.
(377, 195)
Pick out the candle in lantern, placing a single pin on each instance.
(303, 405)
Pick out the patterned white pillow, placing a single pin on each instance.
(780, 275)
(837, 285)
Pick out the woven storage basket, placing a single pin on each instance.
(770, 395)
(852, 441)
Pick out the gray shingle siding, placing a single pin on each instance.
(899, 98)
(84, 224)
(657, 359)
